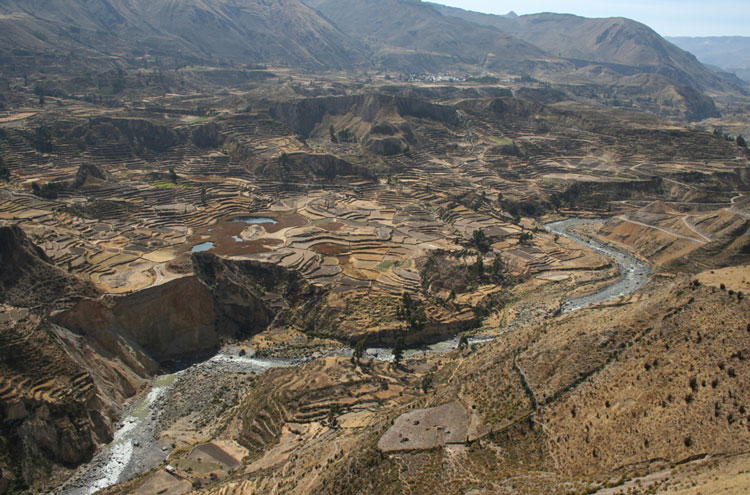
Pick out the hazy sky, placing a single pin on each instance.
(667, 17)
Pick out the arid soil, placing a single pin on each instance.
(573, 359)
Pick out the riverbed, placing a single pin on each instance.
(634, 273)
(136, 448)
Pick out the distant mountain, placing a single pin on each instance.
(730, 53)
(623, 45)
(589, 56)
(281, 32)
(413, 32)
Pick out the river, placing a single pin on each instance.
(634, 273)
(136, 448)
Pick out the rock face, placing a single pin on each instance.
(165, 322)
(188, 316)
(141, 136)
(28, 278)
(303, 116)
(208, 136)
(59, 393)
(312, 165)
(63, 380)
(248, 295)
(58, 397)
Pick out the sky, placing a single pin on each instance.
(667, 17)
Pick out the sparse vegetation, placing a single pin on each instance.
(408, 211)
(480, 242)
(412, 312)
(42, 140)
(398, 351)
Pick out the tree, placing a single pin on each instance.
(412, 312)
(203, 196)
(497, 270)
(526, 238)
(172, 175)
(398, 351)
(39, 91)
(479, 240)
(283, 159)
(346, 136)
(556, 201)
(463, 341)
(359, 350)
(477, 269)
(333, 414)
(41, 140)
(4, 172)
(332, 133)
(741, 141)
(426, 383)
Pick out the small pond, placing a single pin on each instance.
(254, 220)
(203, 246)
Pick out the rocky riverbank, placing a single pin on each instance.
(634, 273)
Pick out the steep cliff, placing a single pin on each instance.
(248, 295)
(59, 392)
(27, 277)
(304, 115)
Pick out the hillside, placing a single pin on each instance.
(330, 247)
(421, 32)
(281, 32)
(621, 44)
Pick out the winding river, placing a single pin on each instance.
(634, 273)
(136, 448)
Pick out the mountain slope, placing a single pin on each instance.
(611, 41)
(418, 27)
(283, 32)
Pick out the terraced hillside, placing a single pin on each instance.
(295, 216)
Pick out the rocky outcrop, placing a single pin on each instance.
(208, 136)
(137, 134)
(424, 429)
(248, 295)
(87, 173)
(387, 139)
(311, 165)
(303, 116)
(165, 322)
(28, 278)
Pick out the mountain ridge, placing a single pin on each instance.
(728, 53)
(282, 32)
(613, 40)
